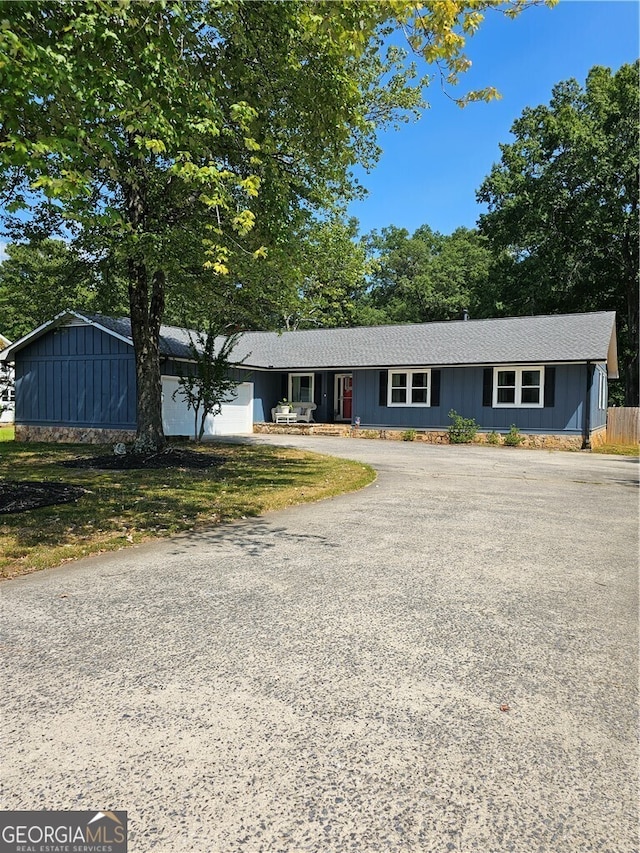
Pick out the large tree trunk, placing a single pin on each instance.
(146, 311)
(146, 317)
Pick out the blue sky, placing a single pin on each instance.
(429, 171)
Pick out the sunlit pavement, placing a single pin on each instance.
(446, 660)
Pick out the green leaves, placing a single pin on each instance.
(563, 208)
(438, 31)
(209, 382)
(426, 276)
(41, 278)
(177, 139)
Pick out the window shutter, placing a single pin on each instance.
(384, 378)
(435, 387)
(549, 387)
(487, 386)
(317, 390)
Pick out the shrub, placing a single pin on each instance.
(461, 430)
(493, 437)
(513, 438)
(409, 435)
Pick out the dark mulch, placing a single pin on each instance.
(27, 494)
(20, 496)
(171, 458)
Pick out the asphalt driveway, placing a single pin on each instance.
(446, 660)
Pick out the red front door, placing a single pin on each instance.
(344, 397)
(347, 398)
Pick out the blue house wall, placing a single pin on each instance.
(175, 367)
(79, 376)
(82, 377)
(598, 416)
(461, 388)
(267, 391)
(270, 388)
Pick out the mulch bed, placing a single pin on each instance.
(172, 458)
(20, 496)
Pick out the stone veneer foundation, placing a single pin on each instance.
(598, 438)
(552, 442)
(90, 435)
(73, 435)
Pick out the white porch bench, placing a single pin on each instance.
(300, 413)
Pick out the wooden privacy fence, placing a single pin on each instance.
(623, 426)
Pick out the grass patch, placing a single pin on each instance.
(126, 507)
(618, 449)
(7, 433)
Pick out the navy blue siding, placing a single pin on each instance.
(80, 376)
(598, 415)
(173, 367)
(270, 388)
(76, 376)
(461, 389)
(267, 391)
(324, 413)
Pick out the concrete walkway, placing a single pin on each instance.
(331, 678)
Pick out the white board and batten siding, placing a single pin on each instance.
(236, 417)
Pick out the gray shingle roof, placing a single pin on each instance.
(174, 342)
(516, 340)
(556, 338)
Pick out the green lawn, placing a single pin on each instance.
(618, 449)
(6, 433)
(125, 507)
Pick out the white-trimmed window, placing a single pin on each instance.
(409, 387)
(518, 387)
(602, 390)
(301, 387)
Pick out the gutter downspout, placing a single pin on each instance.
(586, 443)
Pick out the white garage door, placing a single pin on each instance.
(236, 417)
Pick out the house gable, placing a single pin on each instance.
(77, 375)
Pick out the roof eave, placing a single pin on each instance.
(413, 364)
(7, 354)
(59, 320)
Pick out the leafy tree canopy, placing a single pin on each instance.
(41, 278)
(328, 267)
(563, 209)
(311, 276)
(159, 133)
(424, 276)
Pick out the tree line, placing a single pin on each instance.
(560, 234)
